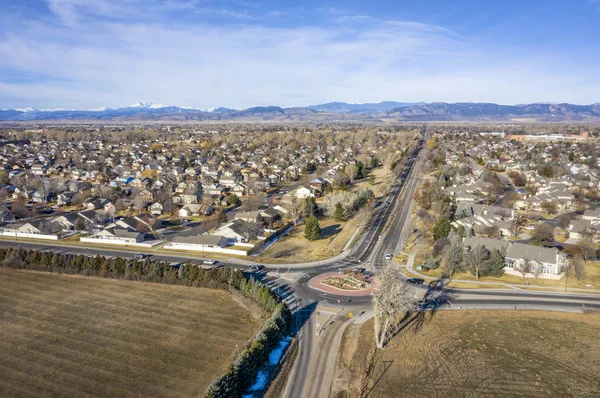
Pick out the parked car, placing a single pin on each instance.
(256, 267)
(416, 281)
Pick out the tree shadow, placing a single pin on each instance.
(435, 297)
(303, 314)
(330, 230)
(386, 366)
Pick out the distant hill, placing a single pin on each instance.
(376, 107)
(482, 110)
(333, 111)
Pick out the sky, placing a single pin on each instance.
(82, 54)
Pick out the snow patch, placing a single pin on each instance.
(263, 376)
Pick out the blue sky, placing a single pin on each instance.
(201, 53)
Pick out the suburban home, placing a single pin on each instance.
(240, 231)
(542, 261)
(249, 216)
(156, 209)
(205, 243)
(592, 215)
(39, 229)
(116, 236)
(304, 192)
(99, 203)
(68, 221)
(64, 199)
(195, 209)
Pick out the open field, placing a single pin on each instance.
(477, 354)
(78, 336)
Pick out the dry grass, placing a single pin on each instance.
(82, 337)
(479, 354)
(294, 247)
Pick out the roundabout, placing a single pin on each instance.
(325, 283)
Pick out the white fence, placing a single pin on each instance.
(207, 249)
(150, 243)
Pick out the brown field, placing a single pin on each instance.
(77, 336)
(477, 354)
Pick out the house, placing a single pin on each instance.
(204, 243)
(39, 229)
(64, 199)
(6, 216)
(592, 215)
(41, 197)
(195, 209)
(156, 209)
(304, 192)
(240, 231)
(545, 262)
(68, 221)
(249, 216)
(99, 203)
(39, 169)
(116, 235)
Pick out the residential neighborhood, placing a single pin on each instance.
(210, 191)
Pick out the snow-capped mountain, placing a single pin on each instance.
(149, 111)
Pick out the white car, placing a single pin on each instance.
(209, 262)
(388, 256)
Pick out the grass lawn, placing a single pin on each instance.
(294, 247)
(382, 182)
(79, 336)
(477, 354)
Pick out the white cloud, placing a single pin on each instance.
(99, 61)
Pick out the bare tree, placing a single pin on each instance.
(476, 260)
(351, 172)
(578, 268)
(251, 203)
(544, 233)
(294, 209)
(524, 268)
(587, 249)
(454, 257)
(392, 299)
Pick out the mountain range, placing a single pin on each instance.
(337, 111)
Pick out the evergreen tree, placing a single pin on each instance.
(495, 264)
(312, 229)
(338, 213)
(441, 229)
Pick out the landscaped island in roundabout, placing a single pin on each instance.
(355, 282)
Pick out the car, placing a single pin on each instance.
(388, 256)
(256, 267)
(140, 256)
(209, 262)
(416, 281)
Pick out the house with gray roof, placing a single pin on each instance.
(542, 261)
